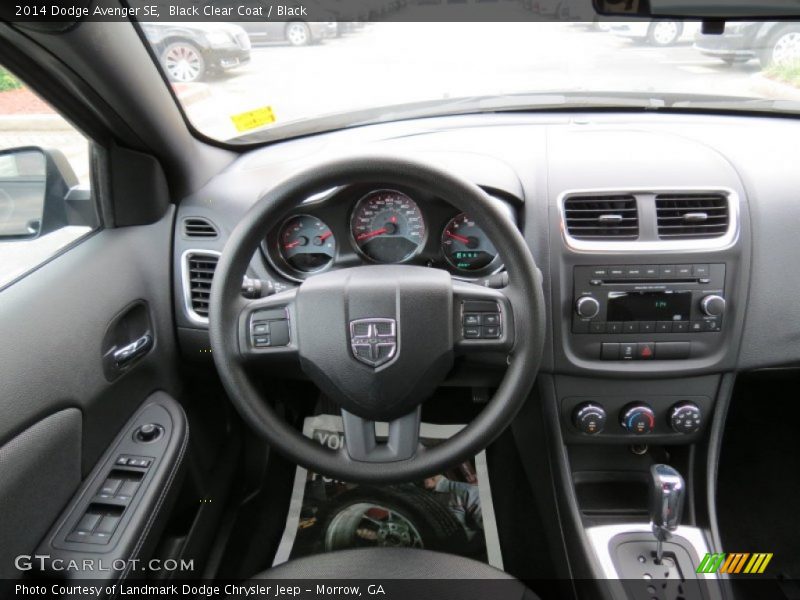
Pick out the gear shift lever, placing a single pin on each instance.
(667, 493)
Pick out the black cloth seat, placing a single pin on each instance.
(447, 577)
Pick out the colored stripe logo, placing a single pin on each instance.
(734, 563)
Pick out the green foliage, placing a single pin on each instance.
(8, 81)
(787, 73)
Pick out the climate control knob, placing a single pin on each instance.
(713, 305)
(685, 417)
(637, 418)
(589, 418)
(587, 307)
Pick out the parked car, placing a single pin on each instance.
(190, 51)
(770, 42)
(297, 32)
(655, 33)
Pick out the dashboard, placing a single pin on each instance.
(378, 224)
(536, 165)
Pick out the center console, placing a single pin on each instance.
(649, 287)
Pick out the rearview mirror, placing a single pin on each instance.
(33, 187)
(751, 10)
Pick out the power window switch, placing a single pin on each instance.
(110, 487)
(127, 490)
(79, 536)
(88, 522)
(107, 525)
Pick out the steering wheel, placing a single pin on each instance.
(377, 339)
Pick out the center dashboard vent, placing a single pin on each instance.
(200, 267)
(612, 217)
(692, 215)
(199, 227)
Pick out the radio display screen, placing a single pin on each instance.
(649, 306)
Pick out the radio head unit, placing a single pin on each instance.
(679, 300)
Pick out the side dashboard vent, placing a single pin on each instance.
(613, 217)
(200, 267)
(199, 227)
(692, 215)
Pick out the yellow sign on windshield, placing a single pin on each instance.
(253, 119)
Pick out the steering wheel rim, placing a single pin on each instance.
(524, 293)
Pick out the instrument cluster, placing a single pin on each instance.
(351, 226)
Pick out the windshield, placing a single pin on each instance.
(259, 81)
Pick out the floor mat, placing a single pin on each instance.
(449, 512)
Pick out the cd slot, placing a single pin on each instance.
(648, 281)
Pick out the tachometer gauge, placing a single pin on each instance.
(387, 226)
(466, 247)
(306, 244)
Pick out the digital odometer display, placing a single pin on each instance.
(649, 306)
(387, 226)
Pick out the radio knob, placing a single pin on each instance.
(713, 305)
(638, 419)
(589, 418)
(587, 307)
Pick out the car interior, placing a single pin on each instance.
(602, 299)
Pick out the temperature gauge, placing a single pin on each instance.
(306, 244)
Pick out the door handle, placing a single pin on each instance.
(132, 351)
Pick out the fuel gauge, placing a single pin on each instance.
(306, 244)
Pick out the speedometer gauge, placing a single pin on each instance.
(466, 246)
(387, 226)
(306, 244)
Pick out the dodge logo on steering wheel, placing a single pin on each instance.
(374, 341)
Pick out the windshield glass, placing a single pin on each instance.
(261, 80)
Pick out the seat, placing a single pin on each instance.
(448, 577)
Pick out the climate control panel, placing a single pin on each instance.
(624, 419)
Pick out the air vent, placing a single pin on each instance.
(198, 227)
(602, 217)
(692, 216)
(199, 272)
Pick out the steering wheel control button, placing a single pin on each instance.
(147, 433)
(481, 320)
(269, 328)
(490, 319)
(472, 319)
(638, 419)
(589, 418)
(685, 417)
(492, 332)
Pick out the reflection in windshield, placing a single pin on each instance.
(279, 79)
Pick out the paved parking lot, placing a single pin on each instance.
(392, 63)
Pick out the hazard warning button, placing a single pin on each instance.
(645, 351)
